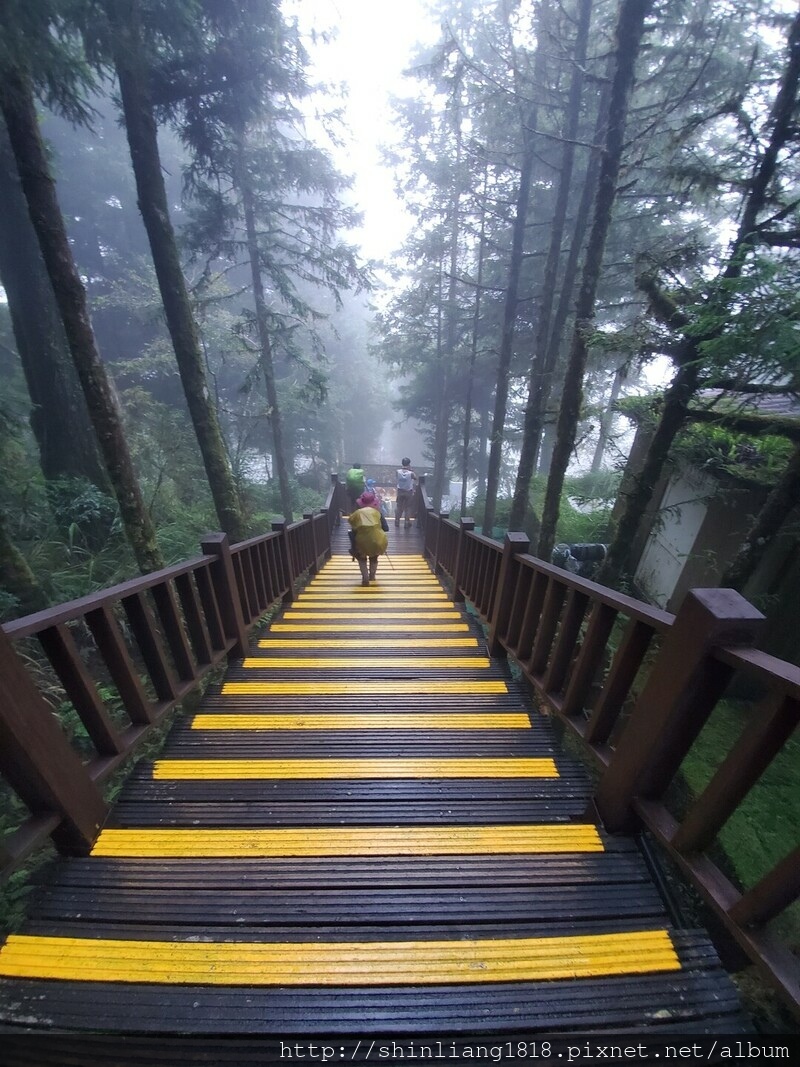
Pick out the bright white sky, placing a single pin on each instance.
(373, 45)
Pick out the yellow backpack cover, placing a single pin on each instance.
(371, 540)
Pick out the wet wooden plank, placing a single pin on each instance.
(543, 901)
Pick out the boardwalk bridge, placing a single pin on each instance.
(377, 819)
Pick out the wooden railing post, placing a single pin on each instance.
(465, 526)
(333, 505)
(514, 544)
(227, 592)
(279, 526)
(308, 516)
(443, 516)
(38, 762)
(422, 510)
(682, 688)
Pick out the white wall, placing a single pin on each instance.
(672, 538)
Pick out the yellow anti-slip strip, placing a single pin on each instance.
(318, 662)
(366, 721)
(338, 963)
(360, 596)
(378, 614)
(341, 574)
(393, 583)
(369, 627)
(345, 563)
(364, 642)
(161, 843)
(239, 769)
(395, 687)
(423, 602)
(385, 579)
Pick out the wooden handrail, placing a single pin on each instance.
(636, 685)
(156, 637)
(633, 683)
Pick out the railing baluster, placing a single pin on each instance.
(439, 546)
(211, 609)
(531, 616)
(522, 584)
(39, 764)
(672, 707)
(60, 649)
(169, 614)
(618, 682)
(250, 587)
(779, 888)
(196, 618)
(284, 562)
(242, 592)
(553, 603)
(593, 648)
(257, 559)
(465, 526)
(514, 544)
(762, 739)
(143, 626)
(112, 648)
(271, 572)
(226, 593)
(309, 515)
(566, 641)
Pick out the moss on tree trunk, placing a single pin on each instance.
(17, 104)
(142, 133)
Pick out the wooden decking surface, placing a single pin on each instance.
(364, 829)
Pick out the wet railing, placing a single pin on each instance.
(636, 685)
(84, 683)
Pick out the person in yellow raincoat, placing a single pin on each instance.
(368, 538)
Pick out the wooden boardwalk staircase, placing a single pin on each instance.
(364, 829)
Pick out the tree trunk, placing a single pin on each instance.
(17, 578)
(140, 126)
(543, 438)
(262, 325)
(607, 419)
(442, 432)
(673, 417)
(777, 508)
(532, 428)
(59, 419)
(507, 336)
(473, 349)
(687, 379)
(440, 405)
(630, 27)
(545, 457)
(16, 102)
(483, 458)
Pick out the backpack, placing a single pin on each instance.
(405, 479)
(355, 479)
(370, 538)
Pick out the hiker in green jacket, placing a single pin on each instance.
(354, 483)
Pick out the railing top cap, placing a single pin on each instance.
(75, 609)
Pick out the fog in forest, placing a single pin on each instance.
(526, 244)
(313, 759)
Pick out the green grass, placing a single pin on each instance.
(763, 829)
